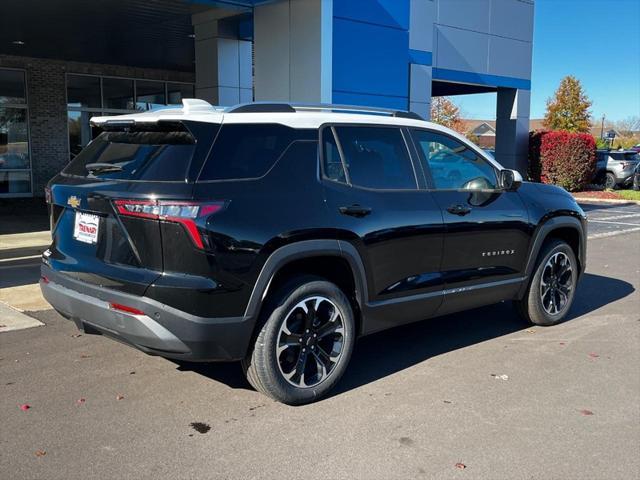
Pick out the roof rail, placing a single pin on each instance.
(357, 109)
(261, 107)
(266, 107)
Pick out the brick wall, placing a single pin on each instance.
(46, 93)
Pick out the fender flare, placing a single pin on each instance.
(306, 249)
(541, 235)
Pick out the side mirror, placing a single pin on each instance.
(510, 180)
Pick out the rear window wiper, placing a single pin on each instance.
(102, 167)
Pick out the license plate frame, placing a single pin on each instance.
(86, 227)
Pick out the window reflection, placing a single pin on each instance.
(15, 162)
(93, 96)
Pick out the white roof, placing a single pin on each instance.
(305, 117)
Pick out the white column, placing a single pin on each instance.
(512, 128)
(422, 14)
(223, 63)
(293, 51)
(420, 79)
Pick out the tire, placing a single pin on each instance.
(610, 181)
(289, 342)
(538, 309)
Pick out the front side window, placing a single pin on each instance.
(376, 157)
(453, 165)
(332, 163)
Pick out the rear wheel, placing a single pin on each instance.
(305, 344)
(610, 180)
(552, 287)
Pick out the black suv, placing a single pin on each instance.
(276, 235)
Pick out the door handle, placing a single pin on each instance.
(459, 209)
(357, 211)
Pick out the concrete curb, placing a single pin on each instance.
(12, 319)
(606, 200)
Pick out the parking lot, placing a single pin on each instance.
(472, 395)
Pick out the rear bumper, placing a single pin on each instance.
(162, 330)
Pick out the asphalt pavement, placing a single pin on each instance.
(473, 395)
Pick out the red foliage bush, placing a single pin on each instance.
(562, 158)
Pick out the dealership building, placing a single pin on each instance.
(63, 62)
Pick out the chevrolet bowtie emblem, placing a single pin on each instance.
(73, 201)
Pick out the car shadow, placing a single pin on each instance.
(385, 353)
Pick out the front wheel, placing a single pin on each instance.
(552, 289)
(305, 344)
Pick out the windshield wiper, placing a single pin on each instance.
(102, 167)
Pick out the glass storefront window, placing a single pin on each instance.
(80, 131)
(14, 139)
(15, 182)
(117, 93)
(12, 89)
(83, 91)
(177, 91)
(149, 94)
(93, 96)
(15, 161)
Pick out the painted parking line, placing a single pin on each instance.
(615, 223)
(618, 217)
(613, 233)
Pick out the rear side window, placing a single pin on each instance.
(135, 155)
(244, 151)
(376, 157)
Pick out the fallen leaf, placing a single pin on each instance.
(586, 413)
(200, 427)
(593, 355)
(2, 326)
(40, 453)
(76, 335)
(132, 373)
(80, 401)
(562, 343)
(24, 407)
(119, 397)
(84, 355)
(530, 330)
(447, 401)
(460, 466)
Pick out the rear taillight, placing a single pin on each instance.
(126, 309)
(185, 213)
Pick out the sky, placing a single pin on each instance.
(597, 41)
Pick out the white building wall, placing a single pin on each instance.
(293, 51)
(484, 36)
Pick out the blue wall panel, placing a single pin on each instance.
(370, 59)
(348, 98)
(392, 13)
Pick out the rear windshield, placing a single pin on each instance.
(135, 155)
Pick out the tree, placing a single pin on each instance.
(444, 112)
(629, 126)
(569, 108)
